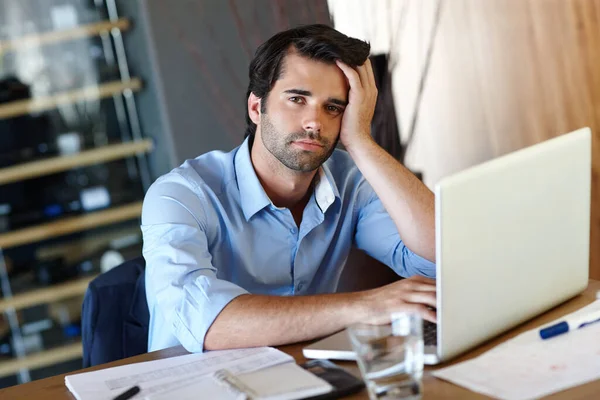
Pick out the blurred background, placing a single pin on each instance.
(100, 97)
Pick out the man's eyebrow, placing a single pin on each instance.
(301, 92)
(337, 101)
(307, 93)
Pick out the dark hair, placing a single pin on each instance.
(318, 42)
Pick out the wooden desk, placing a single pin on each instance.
(54, 388)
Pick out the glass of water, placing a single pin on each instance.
(389, 352)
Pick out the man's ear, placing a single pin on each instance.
(254, 103)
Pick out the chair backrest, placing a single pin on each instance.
(363, 272)
(114, 314)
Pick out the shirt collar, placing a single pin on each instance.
(253, 197)
(325, 189)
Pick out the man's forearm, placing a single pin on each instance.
(254, 320)
(410, 204)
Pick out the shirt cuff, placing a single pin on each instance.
(206, 298)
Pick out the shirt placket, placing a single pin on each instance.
(310, 220)
(289, 230)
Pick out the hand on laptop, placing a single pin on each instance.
(416, 293)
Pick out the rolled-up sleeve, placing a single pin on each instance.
(377, 235)
(181, 282)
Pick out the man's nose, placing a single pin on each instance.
(313, 120)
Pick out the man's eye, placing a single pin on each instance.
(334, 109)
(295, 99)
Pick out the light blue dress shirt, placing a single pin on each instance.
(211, 233)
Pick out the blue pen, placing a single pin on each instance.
(570, 324)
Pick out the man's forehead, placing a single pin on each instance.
(300, 72)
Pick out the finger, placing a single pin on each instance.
(415, 284)
(422, 287)
(351, 75)
(363, 74)
(369, 82)
(426, 313)
(370, 72)
(425, 298)
(419, 278)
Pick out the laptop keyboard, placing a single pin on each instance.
(429, 333)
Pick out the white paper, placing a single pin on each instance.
(528, 367)
(190, 388)
(162, 375)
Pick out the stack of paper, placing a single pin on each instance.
(161, 376)
(528, 367)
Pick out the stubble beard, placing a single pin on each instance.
(296, 159)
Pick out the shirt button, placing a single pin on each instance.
(300, 286)
(293, 230)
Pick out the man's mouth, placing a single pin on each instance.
(309, 145)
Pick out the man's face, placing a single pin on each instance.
(304, 111)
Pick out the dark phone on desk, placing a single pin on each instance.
(343, 382)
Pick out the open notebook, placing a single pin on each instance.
(277, 377)
(282, 382)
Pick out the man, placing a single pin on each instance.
(246, 248)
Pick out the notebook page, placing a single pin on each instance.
(159, 375)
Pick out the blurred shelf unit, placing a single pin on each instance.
(132, 148)
(45, 103)
(57, 292)
(43, 359)
(63, 35)
(62, 163)
(68, 225)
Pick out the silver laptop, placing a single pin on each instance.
(512, 241)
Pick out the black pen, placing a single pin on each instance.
(128, 394)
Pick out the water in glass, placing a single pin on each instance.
(390, 356)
